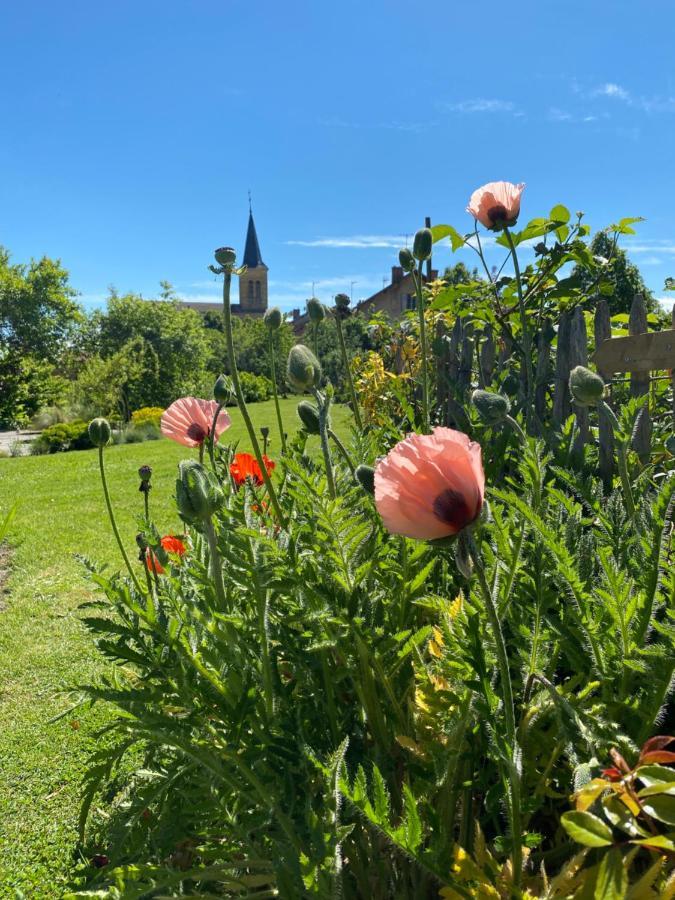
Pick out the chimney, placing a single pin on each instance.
(396, 274)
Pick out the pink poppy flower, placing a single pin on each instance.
(497, 204)
(189, 421)
(430, 486)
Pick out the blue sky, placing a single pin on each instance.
(132, 131)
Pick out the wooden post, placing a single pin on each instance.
(603, 332)
(543, 373)
(578, 356)
(639, 383)
(561, 398)
(488, 356)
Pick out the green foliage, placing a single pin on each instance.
(256, 388)
(147, 415)
(63, 436)
(621, 278)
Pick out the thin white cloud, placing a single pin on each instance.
(666, 246)
(559, 115)
(613, 90)
(393, 125)
(368, 241)
(482, 105)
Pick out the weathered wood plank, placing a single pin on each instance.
(561, 398)
(578, 356)
(639, 384)
(603, 332)
(639, 353)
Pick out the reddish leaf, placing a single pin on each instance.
(658, 756)
(619, 761)
(659, 742)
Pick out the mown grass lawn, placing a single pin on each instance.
(43, 647)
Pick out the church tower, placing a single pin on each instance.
(253, 282)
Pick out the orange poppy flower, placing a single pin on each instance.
(244, 466)
(152, 563)
(173, 544)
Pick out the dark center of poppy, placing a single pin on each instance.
(497, 214)
(451, 507)
(196, 433)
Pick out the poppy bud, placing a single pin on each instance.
(99, 432)
(586, 387)
(315, 311)
(304, 370)
(406, 259)
(145, 474)
(222, 390)
(272, 318)
(422, 244)
(309, 416)
(225, 256)
(342, 301)
(198, 492)
(492, 408)
(365, 475)
(265, 432)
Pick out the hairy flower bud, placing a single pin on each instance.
(309, 416)
(304, 370)
(315, 310)
(406, 260)
(222, 389)
(422, 244)
(586, 387)
(225, 256)
(145, 474)
(492, 408)
(342, 301)
(198, 492)
(99, 432)
(273, 318)
(365, 475)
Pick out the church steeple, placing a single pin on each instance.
(252, 255)
(253, 281)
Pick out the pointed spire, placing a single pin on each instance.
(252, 255)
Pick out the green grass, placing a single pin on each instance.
(43, 647)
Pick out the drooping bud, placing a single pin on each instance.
(365, 475)
(406, 260)
(492, 408)
(304, 370)
(222, 389)
(225, 256)
(99, 432)
(198, 492)
(309, 416)
(265, 432)
(273, 318)
(315, 310)
(586, 387)
(422, 244)
(145, 474)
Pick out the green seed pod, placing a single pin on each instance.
(406, 260)
(303, 371)
(225, 256)
(222, 389)
(198, 492)
(586, 387)
(273, 318)
(422, 244)
(315, 310)
(365, 475)
(492, 408)
(309, 416)
(99, 432)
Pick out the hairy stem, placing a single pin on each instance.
(216, 563)
(342, 450)
(348, 372)
(113, 522)
(527, 338)
(273, 375)
(417, 278)
(323, 404)
(621, 458)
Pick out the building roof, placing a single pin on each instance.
(252, 255)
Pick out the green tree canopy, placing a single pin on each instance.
(623, 275)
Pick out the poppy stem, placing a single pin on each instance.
(273, 373)
(239, 394)
(323, 403)
(216, 563)
(115, 529)
(341, 450)
(513, 771)
(417, 279)
(621, 458)
(527, 342)
(212, 438)
(348, 371)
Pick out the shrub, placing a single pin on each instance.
(147, 415)
(136, 434)
(62, 436)
(255, 387)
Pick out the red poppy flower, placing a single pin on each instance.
(245, 466)
(173, 544)
(152, 563)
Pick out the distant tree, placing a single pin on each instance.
(623, 275)
(38, 312)
(460, 274)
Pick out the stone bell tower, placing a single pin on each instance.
(253, 282)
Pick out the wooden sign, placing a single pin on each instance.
(637, 353)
